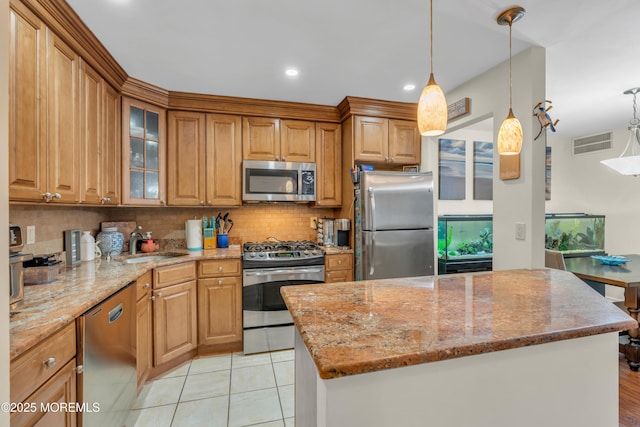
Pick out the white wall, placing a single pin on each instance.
(582, 184)
(515, 201)
(4, 208)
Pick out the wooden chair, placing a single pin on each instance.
(554, 259)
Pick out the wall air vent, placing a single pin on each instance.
(589, 144)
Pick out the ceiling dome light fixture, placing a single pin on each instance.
(510, 134)
(629, 164)
(409, 87)
(432, 106)
(291, 72)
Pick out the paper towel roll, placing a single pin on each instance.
(193, 229)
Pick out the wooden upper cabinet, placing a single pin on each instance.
(44, 123)
(91, 91)
(186, 158)
(260, 138)
(371, 139)
(27, 105)
(329, 165)
(224, 160)
(404, 142)
(111, 157)
(380, 140)
(204, 159)
(63, 125)
(297, 141)
(143, 153)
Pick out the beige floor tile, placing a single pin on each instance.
(180, 371)
(160, 392)
(239, 360)
(202, 386)
(285, 372)
(210, 364)
(283, 355)
(159, 416)
(278, 423)
(252, 378)
(289, 422)
(212, 412)
(287, 400)
(254, 407)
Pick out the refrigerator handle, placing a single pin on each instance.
(372, 247)
(372, 203)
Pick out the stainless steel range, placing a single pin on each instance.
(267, 266)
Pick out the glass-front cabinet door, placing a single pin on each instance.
(143, 153)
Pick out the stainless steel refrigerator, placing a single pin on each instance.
(395, 226)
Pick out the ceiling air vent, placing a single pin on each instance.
(589, 144)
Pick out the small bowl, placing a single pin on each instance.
(610, 260)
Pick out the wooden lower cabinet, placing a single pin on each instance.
(59, 390)
(144, 329)
(45, 374)
(338, 268)
(174, 321)
(220, 302)
(219, 310)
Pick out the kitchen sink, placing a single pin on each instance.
(149, 258)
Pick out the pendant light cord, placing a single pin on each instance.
(431, 35)
(510, 81)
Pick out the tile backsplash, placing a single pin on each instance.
(252, 223)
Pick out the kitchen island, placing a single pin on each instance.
(521, 347)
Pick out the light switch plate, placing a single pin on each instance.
(521, 231)
(31, 234)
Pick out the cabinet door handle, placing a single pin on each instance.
(209, 202)
(153, 298)
(49, 363)
(201, 202)
(219, 281)
(159, 294)
(339, 262)
(146, 286)
(47, 196)
(220, 268)
(78, 369)
(283, 158)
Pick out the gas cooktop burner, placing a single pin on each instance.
(280, 246)
(281, 250)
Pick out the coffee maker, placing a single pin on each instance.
(342, 226)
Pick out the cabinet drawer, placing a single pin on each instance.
(143, 285)
(219, 267)
(336, 276)
(37, 365)
(172, 274)
(339, 262)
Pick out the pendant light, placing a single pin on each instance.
(432, 106)
(510, 134)
(629, 164)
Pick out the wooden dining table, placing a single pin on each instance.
(626, 276)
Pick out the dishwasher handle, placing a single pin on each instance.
(116, 313)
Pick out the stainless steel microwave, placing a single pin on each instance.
(266, 181)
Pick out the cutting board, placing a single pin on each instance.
(125, 227)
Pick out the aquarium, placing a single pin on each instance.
(574, 234)
(465, 243)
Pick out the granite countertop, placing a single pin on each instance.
(48, 307)
(332, 250)
(357, 327)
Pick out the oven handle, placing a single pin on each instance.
(283, 271)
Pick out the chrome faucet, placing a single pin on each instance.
(133, 240)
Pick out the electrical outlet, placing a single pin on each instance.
(521, 231)
(313, 222)
(31, 234)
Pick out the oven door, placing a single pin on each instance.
(262, 304)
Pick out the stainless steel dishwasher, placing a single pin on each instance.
(109, 360)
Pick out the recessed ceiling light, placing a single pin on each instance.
(409, 86)
(291, 72)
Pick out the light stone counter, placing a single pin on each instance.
(410, 351)
(48, 307)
